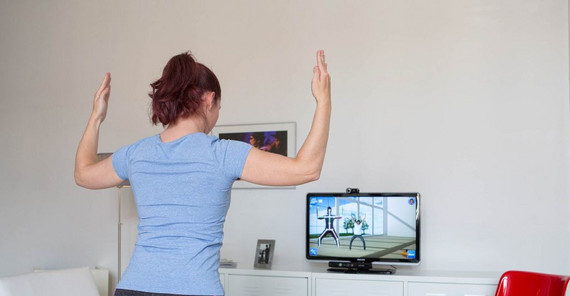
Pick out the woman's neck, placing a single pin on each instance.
(181, 128)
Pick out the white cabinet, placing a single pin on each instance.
(344, 287)
(255, 282)
(450, 289)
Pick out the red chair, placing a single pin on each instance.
(524, 283)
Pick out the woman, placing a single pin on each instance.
(182, 178)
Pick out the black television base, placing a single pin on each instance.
(358, 267)
(364, 271)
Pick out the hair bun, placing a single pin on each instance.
(179, 91)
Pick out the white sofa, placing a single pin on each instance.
(62, 282)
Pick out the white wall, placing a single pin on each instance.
(463, 101)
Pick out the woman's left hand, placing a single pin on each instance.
(101, 99)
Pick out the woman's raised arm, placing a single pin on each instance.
(90, 173)
(272, 169)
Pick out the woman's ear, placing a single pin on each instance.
(209, 100)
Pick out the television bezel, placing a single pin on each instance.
(376, 261)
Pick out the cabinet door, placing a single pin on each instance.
(336, 287)
(440, 289)
(248, 285)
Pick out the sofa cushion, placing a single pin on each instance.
(62, 282)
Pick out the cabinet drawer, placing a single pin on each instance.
(336, 287)
(440, 289)
(248, 285)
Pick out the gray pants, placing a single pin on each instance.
(360, 237)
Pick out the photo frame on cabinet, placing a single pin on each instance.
(264, 253)
(271, 137)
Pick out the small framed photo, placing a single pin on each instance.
(271, 137)
(264, 253)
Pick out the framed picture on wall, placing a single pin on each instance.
(264, 253)
(271, 137)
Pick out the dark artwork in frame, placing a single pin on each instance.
(270, 141)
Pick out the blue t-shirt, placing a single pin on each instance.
(182, 194)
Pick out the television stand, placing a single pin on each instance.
(358, 267)
(364, 271)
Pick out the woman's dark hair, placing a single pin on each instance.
(178, 93)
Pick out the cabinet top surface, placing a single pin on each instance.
(400, 275)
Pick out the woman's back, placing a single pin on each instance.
(182, 193)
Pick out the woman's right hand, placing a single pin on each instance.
(101, 99)
(320, 85)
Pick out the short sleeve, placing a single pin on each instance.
(120, 162)
(234, 156)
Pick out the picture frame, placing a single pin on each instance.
(264, 253)
(277, 138)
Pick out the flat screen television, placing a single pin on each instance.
(354, 230)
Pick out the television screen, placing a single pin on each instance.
(381, 228)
